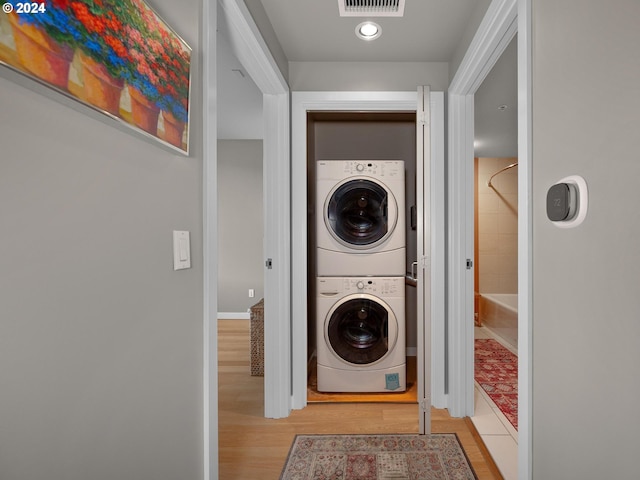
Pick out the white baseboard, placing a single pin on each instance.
(233, 316)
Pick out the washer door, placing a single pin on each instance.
(360, 213)
(357, 329)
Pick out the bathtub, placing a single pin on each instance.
(499, 313)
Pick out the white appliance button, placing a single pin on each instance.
(360, 167)
(360, 285)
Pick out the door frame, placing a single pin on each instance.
(253, 54)
(301, 103)
(208, 24)
(503, 20)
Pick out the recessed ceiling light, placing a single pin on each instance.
(368, 31)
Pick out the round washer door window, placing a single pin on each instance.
(357, 213)
(358, 331)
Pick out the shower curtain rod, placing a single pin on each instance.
(500, 171)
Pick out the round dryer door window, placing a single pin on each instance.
(358, 331)
(357, 213)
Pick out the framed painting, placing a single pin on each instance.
(117, 57)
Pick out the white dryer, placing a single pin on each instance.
(360, 331)
(360, 218)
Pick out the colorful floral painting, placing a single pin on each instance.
(117, 56)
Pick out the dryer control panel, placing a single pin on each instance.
(379, 286)
(373, 168)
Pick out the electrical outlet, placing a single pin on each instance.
(252, 293)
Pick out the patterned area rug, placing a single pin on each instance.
(377, 457)
(496, 370)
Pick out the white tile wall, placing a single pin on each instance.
(498, 226)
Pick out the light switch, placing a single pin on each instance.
(184, 250)
(181, 250)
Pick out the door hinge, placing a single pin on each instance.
(421, 118)
(469, 264)
(425, 404)
(269, 263)
(424, 261)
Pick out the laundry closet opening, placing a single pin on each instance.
(378, 151)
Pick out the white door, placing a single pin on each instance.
(423, 201)
(431, 276)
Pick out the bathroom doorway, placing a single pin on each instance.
(496, 262)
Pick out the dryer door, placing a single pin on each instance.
(357, 329)
(360, 213)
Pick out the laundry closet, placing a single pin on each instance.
(362, 242)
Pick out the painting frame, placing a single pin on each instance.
(116, 60)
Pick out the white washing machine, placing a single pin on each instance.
(360, 217)
(360, 331)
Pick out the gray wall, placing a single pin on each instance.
(586, 281)
(100, 340)
(363, 76)
(240, 224)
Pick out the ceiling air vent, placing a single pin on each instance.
(371, 8)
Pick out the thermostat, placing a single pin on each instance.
(567, 202)
(561, 202)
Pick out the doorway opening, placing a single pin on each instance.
(240, 223)
(496, 261)
(346, 137)
(259, 65)
(430, 145)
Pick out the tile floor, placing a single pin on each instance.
(496, 431)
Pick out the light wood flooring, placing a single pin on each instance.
(253, 447)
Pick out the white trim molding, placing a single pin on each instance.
(497, 29)
(277, 248)
(495, 32)
(460, 298)
(525, 243)
(301, 103)
(209, 242)
(234, 315)
(438, 257)
(250, 48)
(503, 20)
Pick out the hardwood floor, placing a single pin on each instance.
(253, 447)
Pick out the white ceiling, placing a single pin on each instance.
(496, 129)
(312, 30)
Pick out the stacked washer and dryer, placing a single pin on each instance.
(361, 265)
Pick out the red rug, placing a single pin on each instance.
(496, 370)
(377, 457)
